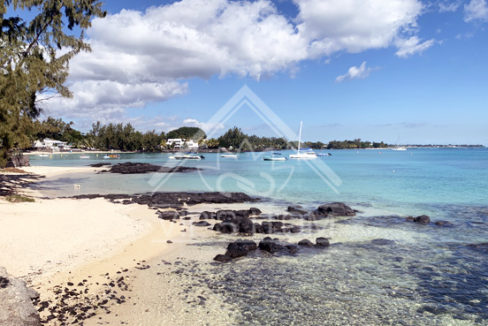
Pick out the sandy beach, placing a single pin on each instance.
(51, 243)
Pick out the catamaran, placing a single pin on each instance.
(304, 154)
(275, 157)
(181, 156)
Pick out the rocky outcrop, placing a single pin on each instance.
(16, 307)
(99, 165)
(422, 219)
(236, 249)
(297, 209)
(443, 223)
(174, 199)
(334, 210)
(269, 247)
(322, 242)
(201, 223)
(483, 246)
(168, 215)
(138, 168)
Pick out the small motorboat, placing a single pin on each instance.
(229, 155)
(187, 157)
(275, 157)
(43, 155)
(399, 148)
(84, 156)
(111, 156)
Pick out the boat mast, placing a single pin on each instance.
(300, 136)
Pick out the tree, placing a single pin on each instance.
(187, 133)
(34, 57)
(233, 137)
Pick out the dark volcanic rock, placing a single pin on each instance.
(201, 223)
(168, 215)
(137, 168)
(334, 209)
(236, 249)
(208, 215)
(483, 246)
(271, 246)
(255, 211)
(382, 242)
(296, 210)
(222, 258)
(443, 223)
(176, 199)
(240, 248)
(422, 219)
(275, 246)
(99, 165)
(305, 243)
(16, 307)
(322, 242)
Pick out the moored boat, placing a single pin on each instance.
(307, 154)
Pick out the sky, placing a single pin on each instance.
(401, 71)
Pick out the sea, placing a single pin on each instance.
(379, 270)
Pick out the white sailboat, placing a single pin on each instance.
(229, 155)
(303, 155)
(399, 148)
(274, 157)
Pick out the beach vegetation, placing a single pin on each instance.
(16, 198)
(34, 57)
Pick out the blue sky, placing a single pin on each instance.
(435, 91)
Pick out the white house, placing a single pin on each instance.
(51, 145)
(176, 142)
(191, 145)
(179, 143)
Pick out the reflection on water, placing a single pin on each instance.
(398, 280)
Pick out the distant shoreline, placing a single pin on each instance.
(214, 150)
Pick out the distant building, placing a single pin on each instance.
(51, 145)
(179, 143)
(190, 144)
(175, 142)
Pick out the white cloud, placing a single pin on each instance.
(140, 57)
(449, 6)
(354, 72)
(412, 45)
(354, 25)
(476, 10)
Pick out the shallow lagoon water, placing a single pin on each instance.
(415, 275)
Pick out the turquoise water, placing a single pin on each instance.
(419, 275)
(389, 178)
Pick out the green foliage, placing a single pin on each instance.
(315, 145)
(236, 139)
(57, 129)
(18, 199)
(212, 143)
(354, 144)
(30, 60)
(124, 138)
(187, 133)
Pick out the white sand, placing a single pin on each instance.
(48, 236)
